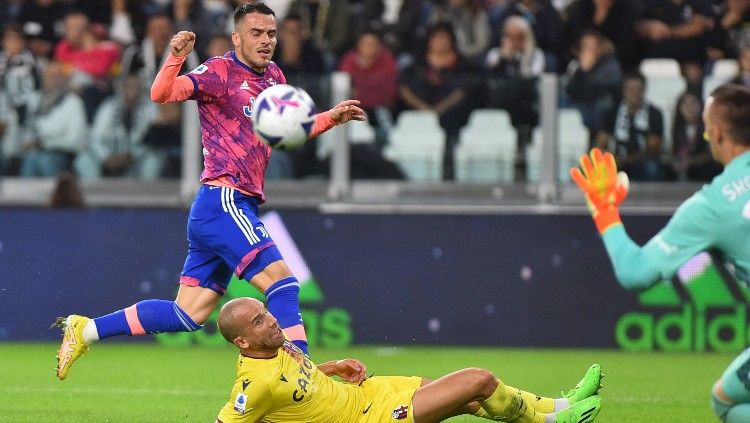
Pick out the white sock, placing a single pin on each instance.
(561, 404)
(550, 418)
(90, 334)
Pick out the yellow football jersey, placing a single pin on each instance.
(290, 388)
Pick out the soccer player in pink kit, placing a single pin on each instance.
(225, 235)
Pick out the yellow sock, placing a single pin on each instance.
(506, 404)
(540, 404)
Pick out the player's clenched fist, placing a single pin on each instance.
(182, 43)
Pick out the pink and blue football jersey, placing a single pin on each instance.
(225, 89)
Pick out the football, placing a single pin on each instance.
(283, 116)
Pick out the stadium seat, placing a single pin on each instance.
(660, 68)
(360, 132)
(573, 140)
(486, 150)
(725, 68)
(417, 145)
(723, 71)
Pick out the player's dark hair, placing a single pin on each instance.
(252, 7)
(731, 105)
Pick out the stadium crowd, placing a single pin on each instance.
(75, 74)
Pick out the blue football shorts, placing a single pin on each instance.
(225, 236)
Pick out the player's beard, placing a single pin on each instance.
(255, 60)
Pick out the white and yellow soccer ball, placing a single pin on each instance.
(283, 116)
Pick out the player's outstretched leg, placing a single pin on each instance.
(145, 317)
(588, 386)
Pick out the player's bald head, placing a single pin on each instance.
(234, 313)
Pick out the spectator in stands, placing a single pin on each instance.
(470, 24)
(635, 133)
(18, 77)
(439, 82)
(497, 12)
(615, 19)
(743, 64)
(18, 82)
(126, 24)
(123, 18)
(218, 45)
(56, 126)
(39, 19)
(299, 57)
(164, 137)
(145, 58)
(296, 53)
(327, 21)
(512, 72)
(595, 80)
(157, 7)
(10, 12)
(518, 54)
(204, 17)
(397, 20)
(116, 145)
(91, 57)
(10, 148)
(67, 193)
(691, 156)
(546, 24)
(677, 29)
(731, 31)
(374, 80)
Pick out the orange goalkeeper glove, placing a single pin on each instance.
(603, 187)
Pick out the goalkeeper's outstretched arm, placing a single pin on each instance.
(633, 269)
(605, 189)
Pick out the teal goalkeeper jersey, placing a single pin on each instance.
(716, 217)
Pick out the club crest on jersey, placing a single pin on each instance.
(400, 413)
(200, 69)
(248, 110)
(240, 403)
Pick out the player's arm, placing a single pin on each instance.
(349, 370)
(605, 189)
(168, 86)
(343, 112)
(688, 232)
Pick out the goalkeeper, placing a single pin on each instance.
(716, 217)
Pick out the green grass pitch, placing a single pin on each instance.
(148, 383)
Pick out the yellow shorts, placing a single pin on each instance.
(388, 399)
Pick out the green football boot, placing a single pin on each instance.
(584, 411)
(588, 386)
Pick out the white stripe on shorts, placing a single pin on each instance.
(226, 195)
